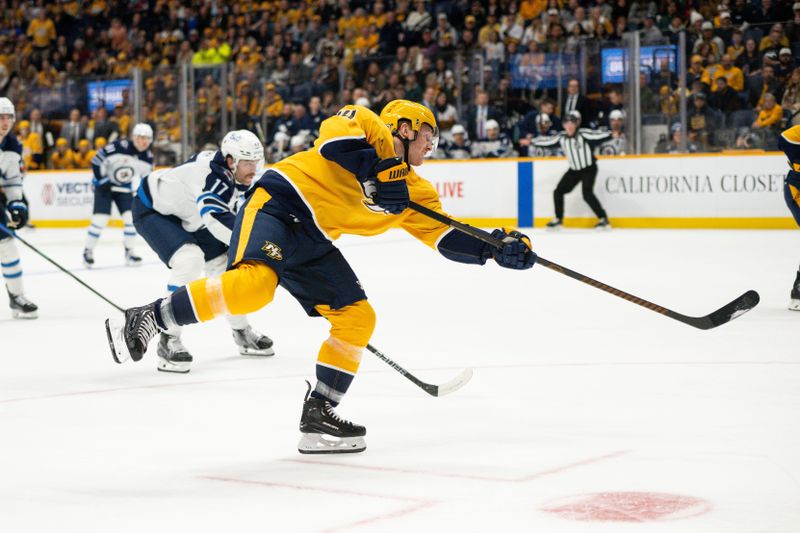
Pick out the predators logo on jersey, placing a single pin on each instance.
(273, 251)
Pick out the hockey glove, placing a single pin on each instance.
(387, 188)
(18, 210)
(516, 251)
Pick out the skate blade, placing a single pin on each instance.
(133, 263)
(256, 352)
(119, 350)
(22, 315)
(318, 443)
(181, 367)
(794, 305)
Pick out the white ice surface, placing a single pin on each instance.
(575, 392)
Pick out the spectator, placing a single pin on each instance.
(315, 115)
(32, 149)
(697, 73)
(101, 126)
(724, 98)
(785, 65)
(63, 158)
(575, 101)
(702, 120)
(731, 73)
(791, 98)
(73, 130)
(38, 127)
(479, 113)
(749, 60)
(446, 114)
(650, 32)
(460, 147)
(736, 44)
(766, 83)
(773, 41)
(770, 115)
(707, 37)
(674, 144)
(83, 157)
(496, 144)
(419, 19)
(42, 32)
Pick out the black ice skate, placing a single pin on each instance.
(21, 307)
(131, 259)
(129, 340)
(555, 224)
(602, 224)
(325, 432)
(88, 258)
(173, 355)
(794, 304)
(251, 342)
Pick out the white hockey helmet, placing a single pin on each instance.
(142, 129)
(7, 108)
(242, 145)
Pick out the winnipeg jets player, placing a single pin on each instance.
(186, 215)
(13, 211)
(115, 167)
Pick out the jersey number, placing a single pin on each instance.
(347, 113)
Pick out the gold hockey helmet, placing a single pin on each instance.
(417, 115)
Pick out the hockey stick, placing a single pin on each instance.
(724, 314)
(434, 390)
(62, 269)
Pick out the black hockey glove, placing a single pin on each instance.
(387, 187)
(18, 210)
(516, 252)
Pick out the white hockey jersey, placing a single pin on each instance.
(11, 168)
(201, 192)
(118, 164)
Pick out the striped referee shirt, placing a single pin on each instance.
(579, 148)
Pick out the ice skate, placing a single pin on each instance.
(794, 303)
(129, 340)
(21, 307)
(251, 342)
(88, 258)
(555, 224)
(602, 224)
(325, 432)
(131, 259)
(173, 355)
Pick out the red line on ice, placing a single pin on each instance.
(418, 503)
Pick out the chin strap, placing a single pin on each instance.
(406, 142)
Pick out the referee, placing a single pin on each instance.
(578, 145)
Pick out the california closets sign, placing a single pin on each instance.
(722, 186)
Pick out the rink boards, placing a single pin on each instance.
(732, 190)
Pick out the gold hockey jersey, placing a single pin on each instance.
(327, 175)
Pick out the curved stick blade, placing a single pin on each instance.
(455, 383)
(726, 313)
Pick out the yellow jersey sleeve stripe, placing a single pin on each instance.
(257, 201)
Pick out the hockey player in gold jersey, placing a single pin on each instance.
(357, 179)
(789, 142)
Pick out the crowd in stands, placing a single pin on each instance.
(290, 64)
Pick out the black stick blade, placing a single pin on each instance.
(724, 314)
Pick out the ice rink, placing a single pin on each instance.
(585, 412)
